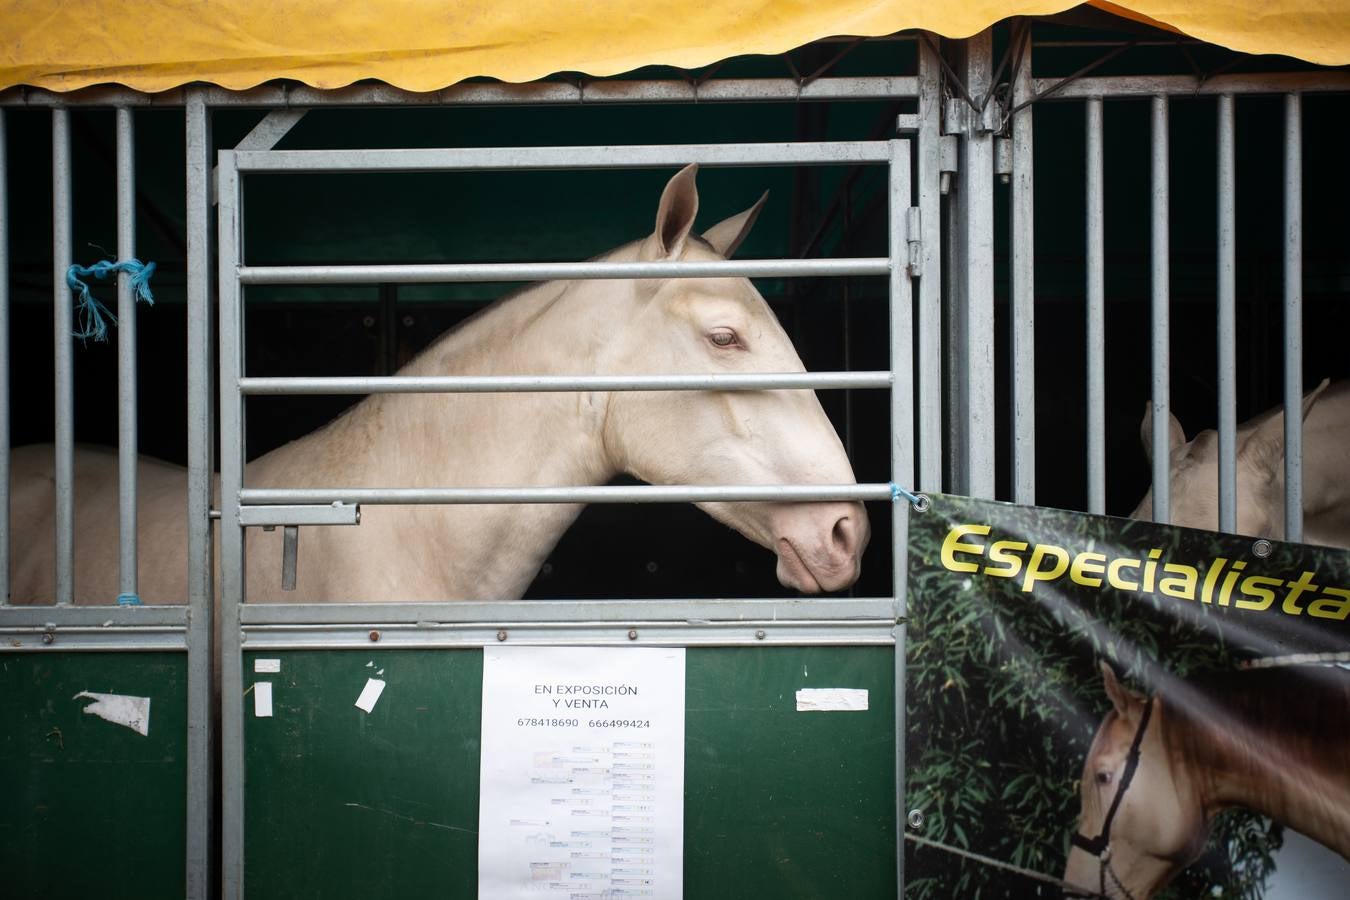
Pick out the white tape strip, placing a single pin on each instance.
(831, 700)
(262, 699)
(370, 694)
(268, 666)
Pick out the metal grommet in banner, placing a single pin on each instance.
(1262, 548)
(915, 819)
(921, 503)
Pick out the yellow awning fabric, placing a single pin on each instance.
(153, 45)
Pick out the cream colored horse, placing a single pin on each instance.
(601, 327)
(1260, 472)
(1273, 740)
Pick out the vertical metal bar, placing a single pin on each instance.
(4, 367)
(1023, 281)
(200, 578)
(901, 320)
(65, 359)
(902, 449)
(1227, 324)
(126, 358)
(976, 352)
(929, 336)
(1160, 315)
(1096, 311)
(1293, 318)
(229, 237)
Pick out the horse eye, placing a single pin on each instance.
(1103, 777)
(722, 338)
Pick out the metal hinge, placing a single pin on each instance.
(913, 228)
(290, 518)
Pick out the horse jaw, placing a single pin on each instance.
(1132, 874)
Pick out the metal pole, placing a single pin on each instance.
(126, 358)
(4, 368)
(476, 384)
(65, 360)
(1023, 283)
(1160, 314)
(642, 493)
(929, 307)
(229, 235)
(1096, 312)
(1227, 325)
(200, 577)
(1293, 318)
(976, 352)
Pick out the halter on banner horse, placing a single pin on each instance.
(601, 327)
(1161, 768)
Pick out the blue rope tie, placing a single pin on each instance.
(128, 600)
(920, 502)
(93, 315)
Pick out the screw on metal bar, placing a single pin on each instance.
(1262, 548)
(501, 635)
(632, 634)
(374, 635)
(915, 819)
(759, 635)
(48, 637)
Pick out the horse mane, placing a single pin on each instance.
(1290, 719)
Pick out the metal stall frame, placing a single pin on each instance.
(751, 622)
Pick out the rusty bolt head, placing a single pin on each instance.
(374, 635)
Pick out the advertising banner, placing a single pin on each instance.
(1133, 709)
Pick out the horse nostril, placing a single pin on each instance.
(844, 536)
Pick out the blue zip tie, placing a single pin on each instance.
(93, 315)
(128, 600)
(920, 502)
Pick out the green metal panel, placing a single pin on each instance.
(777, 804)
(90, 808)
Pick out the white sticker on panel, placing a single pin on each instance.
(120, 709)
(267, 666)
(262, 699)
(370, 694)
(832, 700)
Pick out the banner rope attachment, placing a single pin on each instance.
(919, 502)
(94, 316)
(128, 600)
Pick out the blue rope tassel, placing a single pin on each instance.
(920, 502)
(93, 315)
(128, 600)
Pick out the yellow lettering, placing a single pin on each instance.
(1086, 565)
(1211, 579)
(1183, 585)
(952, 545)
(998, 552)
(1327, 608)
(1252, 587)
(1296, 590)
(1150, 568)
(1228, 581)
(1034, 571)
(1113, 574)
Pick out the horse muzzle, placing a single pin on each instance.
(819, 545)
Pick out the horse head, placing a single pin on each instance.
(1141, 821)
(724, 325)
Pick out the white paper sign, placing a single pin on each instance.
(262, 699)
(582, 793)
(370, 694)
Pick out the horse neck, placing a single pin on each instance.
(1278, 751)
(475, 440)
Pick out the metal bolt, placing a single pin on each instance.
(915, 819)
(1262, 548)
(374, 635)
(632, 634)
(408, 321)
(547, 569)
(368, 321)
(651, 567)
(501, 635)
(759, 635)
(48, 637)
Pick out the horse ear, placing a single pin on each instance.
(1266, 441)
(727, 235)
(1176, 435)
(1121, 699)
(675, 214)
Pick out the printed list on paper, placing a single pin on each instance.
(582, 793)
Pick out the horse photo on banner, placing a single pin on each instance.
(1106, 707)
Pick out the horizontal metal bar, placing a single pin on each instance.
(445, 273)
(311, 514)
(482, 384)
(638, 156)
(510, 612)
(660, 635)
(538, 93)
(92, 616)
(769, 493)
(154, 638)
(1323, 80)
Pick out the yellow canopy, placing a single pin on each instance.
(153, 45)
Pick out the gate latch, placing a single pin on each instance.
(290, 518)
